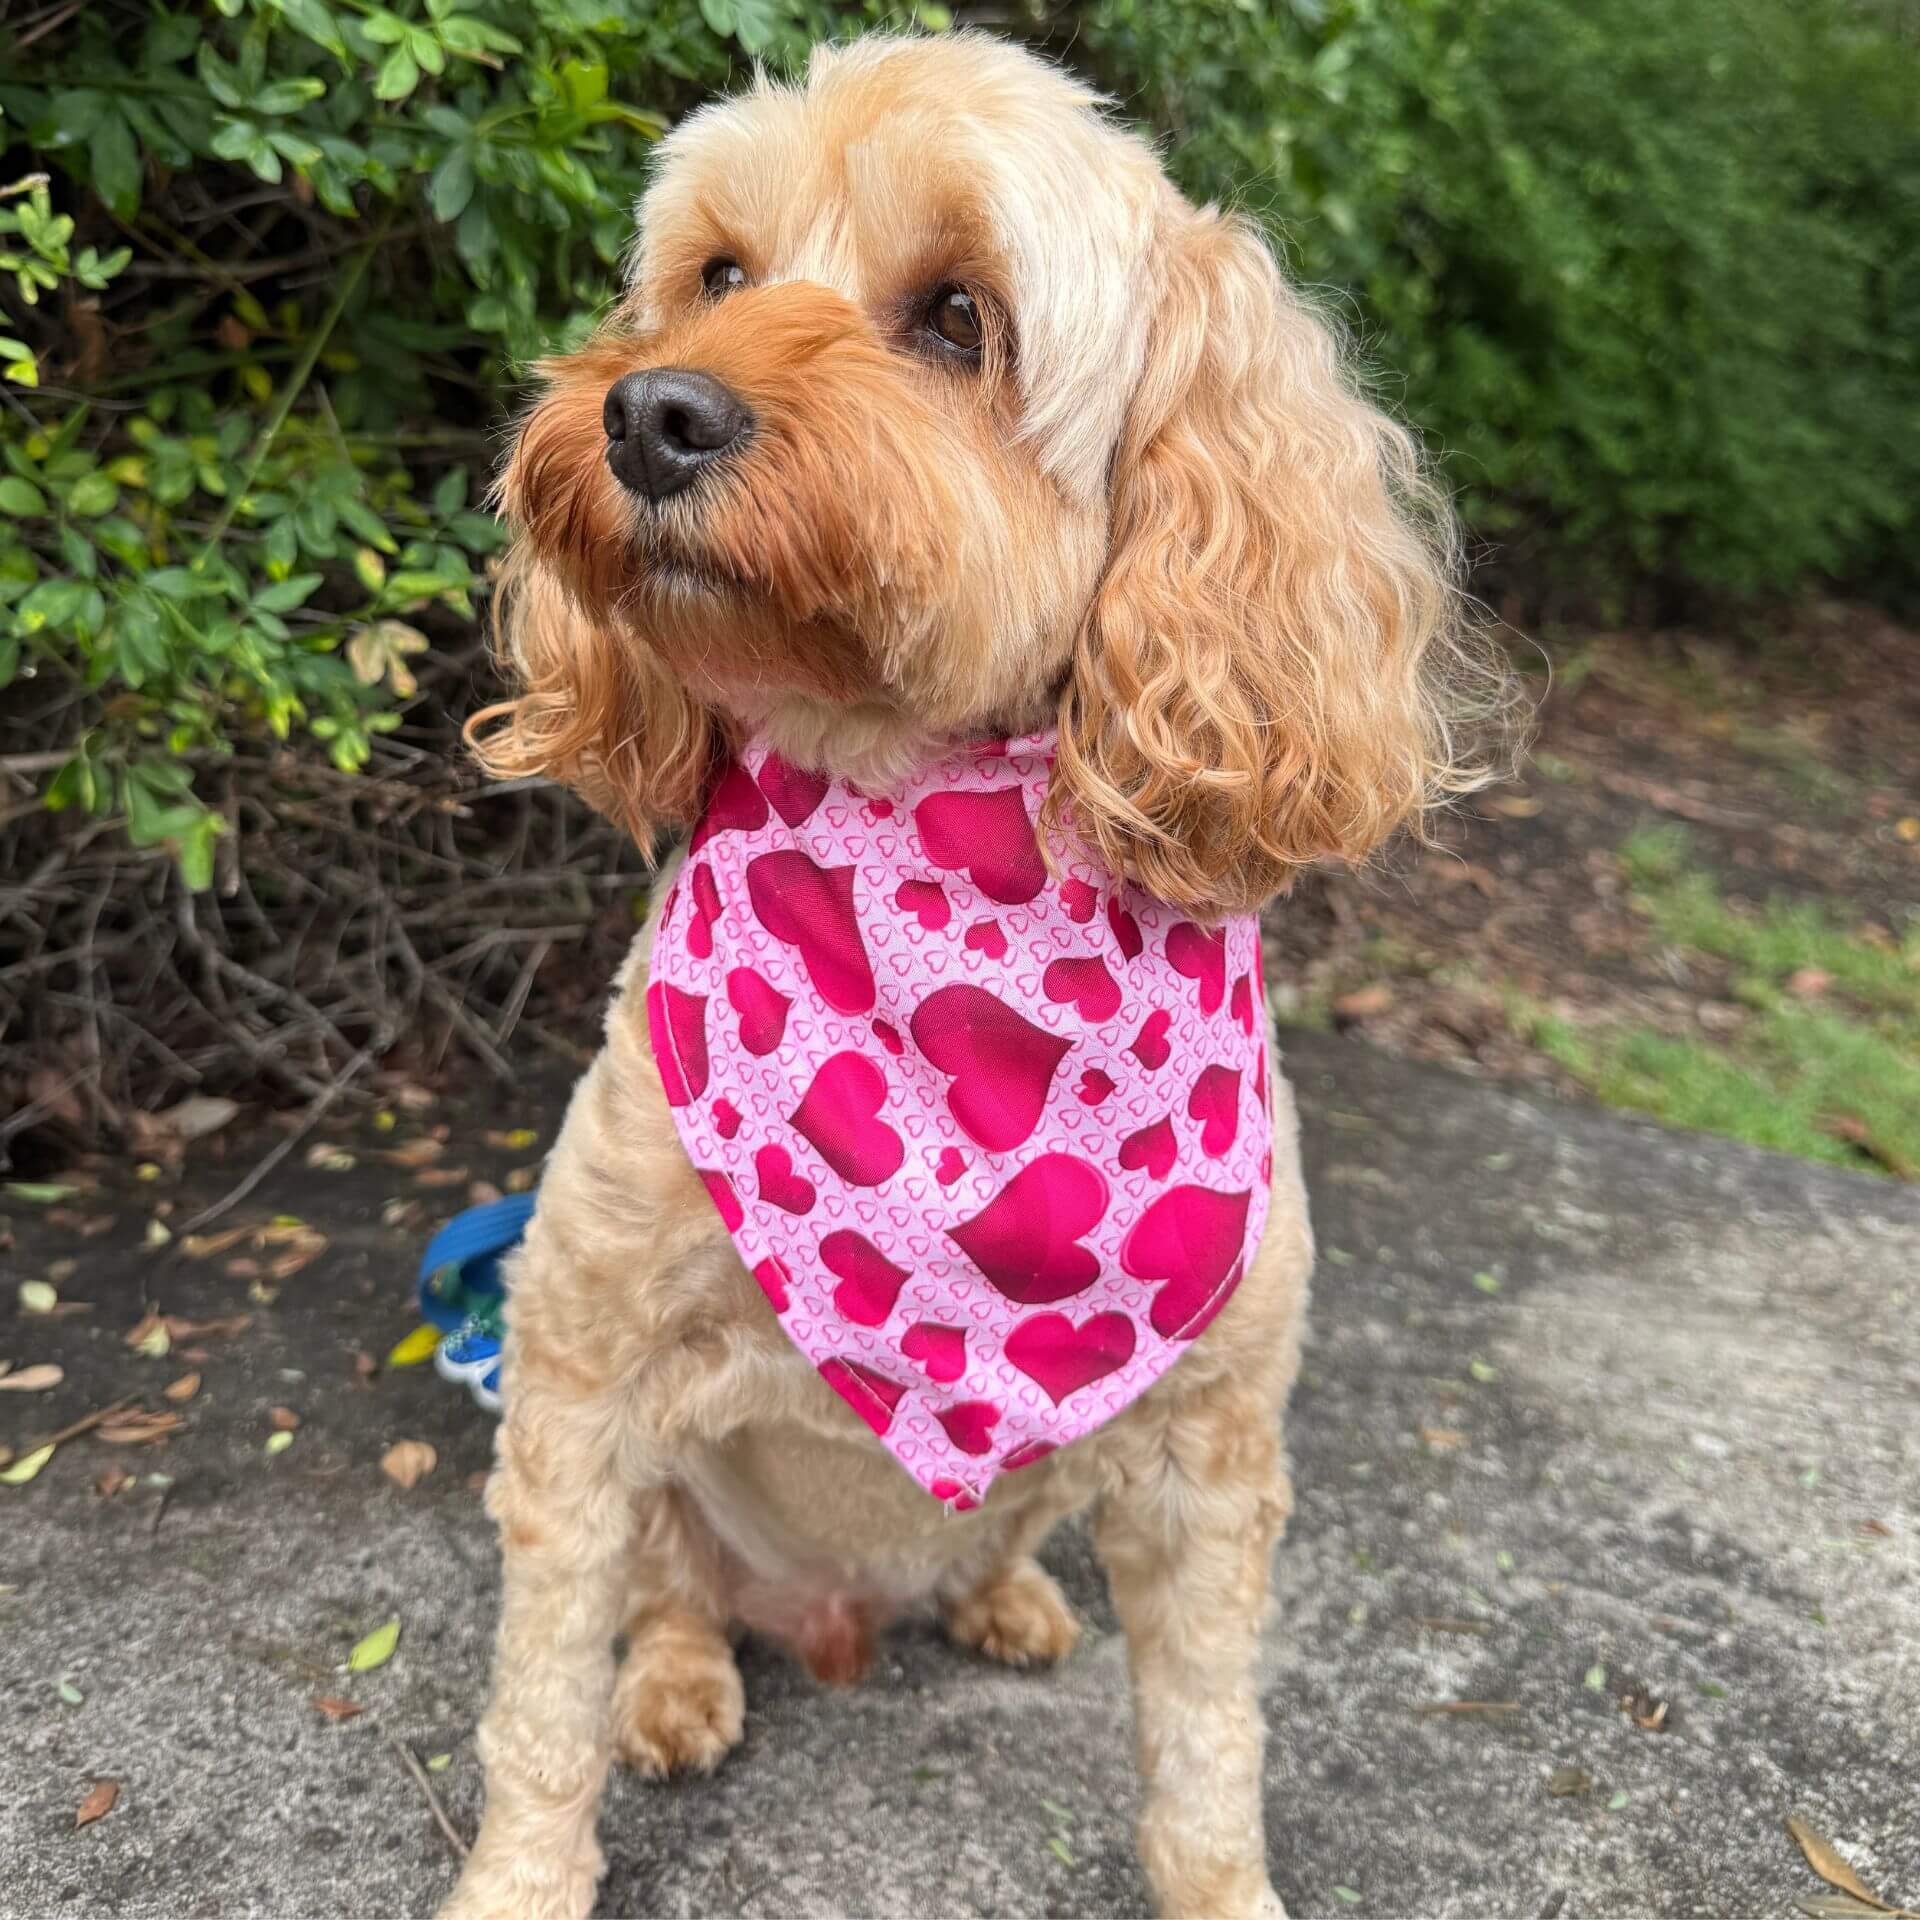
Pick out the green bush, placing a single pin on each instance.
(258, 330)
(1645, 271)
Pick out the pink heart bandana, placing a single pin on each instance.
(994, 1144)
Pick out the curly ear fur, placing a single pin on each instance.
(597, 714)
(1276, 665)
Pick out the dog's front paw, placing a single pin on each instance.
(679, 1707)
(1018, 1616)
(521, 1890)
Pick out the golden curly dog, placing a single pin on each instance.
(1036, 443)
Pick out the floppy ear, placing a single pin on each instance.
(1265, 676)
(596, 713)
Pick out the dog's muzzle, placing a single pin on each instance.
(665, 425)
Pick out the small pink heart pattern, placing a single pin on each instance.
(988, 1130)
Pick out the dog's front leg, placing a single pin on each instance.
(564, 1508)
(1187, 1539)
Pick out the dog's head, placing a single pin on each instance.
(934, 410)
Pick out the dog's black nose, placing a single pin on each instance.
(663, 426)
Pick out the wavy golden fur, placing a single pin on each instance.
(1162, 509)
(1154, 507)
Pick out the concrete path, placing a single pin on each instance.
(1592, 1413)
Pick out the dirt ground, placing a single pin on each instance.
(1788, 759)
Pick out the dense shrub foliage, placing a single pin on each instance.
(257, 333)
(1644, 269)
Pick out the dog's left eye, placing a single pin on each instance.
(953, 316)
(721, 275)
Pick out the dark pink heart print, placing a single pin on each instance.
(1190, 1239)
(1001, 1065)
(735, 806)
(1027, 1238)
(1215, 1103)
(762, 1009)
(1201, 956)
(795, 793)
(677, 1031)
(1062, 1358)
(988, 836)
(811, 907)
(839, 1115)
(869, 1282)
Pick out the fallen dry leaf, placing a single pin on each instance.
(98, 1803)
(198, 1115)
(407, 1462)
(1807, 983)
(203, 1246)
(284, 1420)
(523, 1179)
(1878, 1528)
(335, 1708)
(137, 1428)
(482, 1193)
(375, 1650)
(32, 1379)
(150, 1329)
(181, 1329)
(440, 1177)
(1855, 1131)
(514, 1139)
(182, 1389)
(114, 1480)
(18, 1472)
(414, 1153)
(1443, 1439)
(1364, 1002)
(1565, 1782)
(1824, 1858)
(1646, 1713)
(87, 1225)
(1515, 806)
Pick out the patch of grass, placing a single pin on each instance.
(1769, 945)
(1781, 1084)
(1835, 1078)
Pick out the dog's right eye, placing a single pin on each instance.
(721, 275)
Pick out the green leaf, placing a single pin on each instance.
(115, 161)
(752, 22)
(285, 595)
(21, 499)
(74, 785)
(287, 96)
(316, 22)
(196, 850)
(452, 185)
(92, 496)
(375, 1650)
(398, 76)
